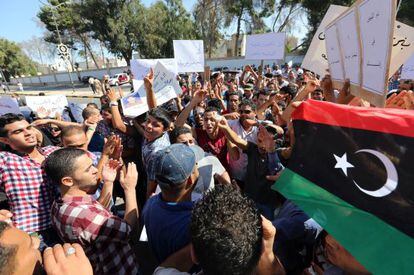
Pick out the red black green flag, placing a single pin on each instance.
(352, 170)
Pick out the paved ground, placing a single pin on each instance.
(81, 90)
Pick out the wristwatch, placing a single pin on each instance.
(113, 103)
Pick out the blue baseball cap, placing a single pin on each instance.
(174, 165)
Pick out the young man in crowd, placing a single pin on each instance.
(22, 177)
(220, 245)
(166, 216)
(78, 217)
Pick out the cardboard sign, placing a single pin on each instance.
(141, 67)
(348, 36)
(9, 105)
(165, 86)
(47, 106)
(407, 71)
(376, 18)
(189, 55)
(265, 46)
(333, 50)
(316, 60)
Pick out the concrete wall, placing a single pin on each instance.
(63, 77)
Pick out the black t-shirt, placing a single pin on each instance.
(257, 187)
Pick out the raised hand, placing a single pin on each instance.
(268, 143)
(5, 215)
(129, 180)
(149, 79)
(199, 96)
(110, 170)
(112, 95)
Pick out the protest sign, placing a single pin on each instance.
(377, 18)
(189, 55)
(140, 67)
(333, 50)
(403, 46)
(315, 59)
(348, 37)
(47, 106)
(407, 71)
(265, 46)
(9, 105)
(165, 86)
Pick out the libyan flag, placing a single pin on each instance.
(352, 170)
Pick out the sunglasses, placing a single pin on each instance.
(55, 129)
(247, 112)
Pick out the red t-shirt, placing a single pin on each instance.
(217, 147)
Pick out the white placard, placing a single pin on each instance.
(407, 71)
(140, 67)
(333, 51)
(165, 86)
(375, 18)
(189, 55)
(9, 105)
(47, 106)
(265, 46)
(349, 40)
(403, 46)
(315, 59)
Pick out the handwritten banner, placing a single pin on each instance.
(165, 86)
(348, 36)
(403, 46)
(47, 106)
(9, 105)
(376, 19)
(265, 46)
(140, 67)
(189, 55)
(407, 71)
(336, 66)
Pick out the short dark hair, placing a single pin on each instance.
(177, 131)
(61, 163)
(211, 109)
(216, 103)
(7, 253)
(232, 94)
(161, 115)
(263, 92)
(247, 102)
(106, 107)
(221, 244)
(8, 119)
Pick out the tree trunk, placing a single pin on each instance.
(286, 21)
(86, 56)
(238, 31)
(88, 48)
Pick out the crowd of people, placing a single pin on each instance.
(182, 189)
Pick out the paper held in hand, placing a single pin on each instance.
(47, 106)
(165, 86)
(267, 46)
(189, 55)
(140, 67)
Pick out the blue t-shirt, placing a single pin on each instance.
(167, 225)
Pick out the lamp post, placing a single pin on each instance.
(65, 58)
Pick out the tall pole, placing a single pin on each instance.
(60, 42)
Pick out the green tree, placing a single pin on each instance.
(406, 12)
(13, 61)
(208, 15)
(251, 12)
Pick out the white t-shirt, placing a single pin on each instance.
(171, 271)
(238, 168)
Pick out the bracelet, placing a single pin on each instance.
(91, 129)
(113, 103)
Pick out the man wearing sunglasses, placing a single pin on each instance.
(246, 129)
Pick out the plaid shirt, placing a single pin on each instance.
(29, 193)
(104, 236)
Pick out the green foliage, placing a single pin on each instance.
(13, 60)
(406, 12)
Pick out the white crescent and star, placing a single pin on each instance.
(392, 175)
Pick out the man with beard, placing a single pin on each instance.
(78, 217)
